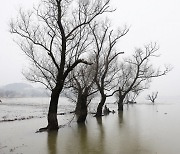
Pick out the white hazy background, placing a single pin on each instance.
(149, 21)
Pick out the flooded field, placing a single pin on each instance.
(140, 129)
(13, 109)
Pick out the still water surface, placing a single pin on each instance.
(140, 129)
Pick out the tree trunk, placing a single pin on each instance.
(81, 108)
(100, 106)
(120, 103)
(52, 113)
(78, 104)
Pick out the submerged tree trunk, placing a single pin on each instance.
(120, 103)
(52, 113)
(121, 100)
(81, 108)
(100, 106)
(78, 104)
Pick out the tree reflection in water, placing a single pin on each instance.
(120, 114)
(101, 138)
(82, 131)
(52, 142)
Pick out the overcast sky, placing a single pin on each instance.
(149, 21)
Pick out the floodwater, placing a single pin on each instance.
(140, 129)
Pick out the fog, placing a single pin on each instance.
(149, 21)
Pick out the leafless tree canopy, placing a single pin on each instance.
(54, 36)
(105, 57)
(81, 81)
(152, 97)
(136, 72)
(105, 53)
(59, 35)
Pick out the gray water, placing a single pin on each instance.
(140, 129)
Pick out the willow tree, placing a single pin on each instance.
(136, 72)
(83, 89)
(53, 36)
(152, 97)
(106, 55)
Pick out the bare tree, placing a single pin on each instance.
(137, 72)
(81, 80)
(152, 97)
(131, 97)
(105, 55)
(54, 36)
